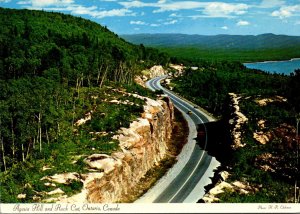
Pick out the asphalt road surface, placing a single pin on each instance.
(189, 177)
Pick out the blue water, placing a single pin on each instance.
(279, 67)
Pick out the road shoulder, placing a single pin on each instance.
(182, 159)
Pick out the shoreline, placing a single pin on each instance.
(262, 62)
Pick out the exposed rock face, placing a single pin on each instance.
(148, 74)
(239, 119)
(275, 162)
(102, 162)
(265, 161)
(263, 138)
(222, 186)
(64, 178)
(266, 101)
(21, 196)
(261, 124)
(142, 146)
(287, 133)
(157, 71)
(140, 80)
(88, 116)
(178, 68)
(56, 191)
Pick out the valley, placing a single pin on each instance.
(242, 48)
(78, 123)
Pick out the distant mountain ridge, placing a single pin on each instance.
(222, 41)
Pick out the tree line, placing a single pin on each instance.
(210, 84)
(46, 59)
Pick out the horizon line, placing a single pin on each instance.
(221, 34)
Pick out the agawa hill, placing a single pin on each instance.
(66, 89)
(242, 48)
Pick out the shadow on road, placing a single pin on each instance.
(218, 145)
(218, 140)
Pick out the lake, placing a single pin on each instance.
(285, 67)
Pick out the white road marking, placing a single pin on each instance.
(157, 81)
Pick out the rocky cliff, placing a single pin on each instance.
(157, 71)
(113, 177)
(263, 152)
(237, 121)
(143, 145)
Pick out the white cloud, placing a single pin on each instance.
(139, 4)
(113, 13)
(138, 23)
(133, 4)
(172, 22)
(68, 5)
(47, 3)
(75, 9)
(220, 9)
(163, 5)
(24, 2)
(271, 3)
(286, 11)
(210, 9)
(242, 23)
(162, 1)
(81, 10)
(224, 28)
(181, 5)
(39, 4)
(5, 1)
(173, 15)
(154, 25)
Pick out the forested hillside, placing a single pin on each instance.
(34, 42)
(263, 41)
(210, 84)
(266, 112)
(56, 69)
(243, 48)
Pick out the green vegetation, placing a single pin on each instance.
(56, 69)
(242, 55)
(243, 48)
(61, 145)
(209, 85)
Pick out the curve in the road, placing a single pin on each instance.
(179, 189)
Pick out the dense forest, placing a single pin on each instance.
(243, 48)
(210, 84)
(273, 166)
(242, 42)
(232, 54)
(54, 69)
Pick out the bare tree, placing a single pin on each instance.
(3, 154)
(103, 77)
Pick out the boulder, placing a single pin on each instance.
(65, 178)
(101, 162)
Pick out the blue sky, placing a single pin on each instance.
(205, 17)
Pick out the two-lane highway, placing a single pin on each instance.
(191, 175)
